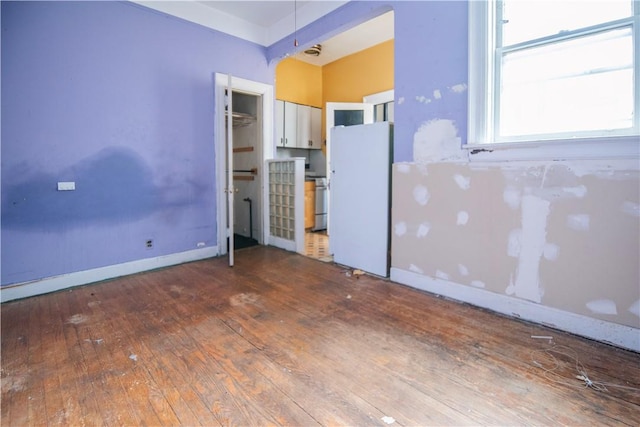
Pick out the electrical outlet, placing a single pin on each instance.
(66, 186)
(149, 244)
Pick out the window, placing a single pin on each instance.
(553, 70)
(383, 112)
(383, 105)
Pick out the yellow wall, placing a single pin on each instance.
(299, 82)
(346, 80)
(363, 73)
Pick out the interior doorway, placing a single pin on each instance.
(247, 154)
(370, 71)
(243, 141)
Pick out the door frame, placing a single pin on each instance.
(265, 91)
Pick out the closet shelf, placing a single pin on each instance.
(242, 119)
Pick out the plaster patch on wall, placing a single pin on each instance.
(422, 168)
(463, 270)
(554, 193)
(631, 208)
(579, 191)
(551, 252)
(421, 195)
(462, 181)
(403, 167)
(602, 168)
(463, 218)
(535, 212)
(511, 289)
(437, 140)
(512, 197)
(423, 230)
(400, 228)
(514, 243)
(579, 222)
(602, 306)
(635, 308)
(423, 99)
(459, 88)
(437, 94)
(401, 100)
(415, 269)
(477, 284)
(442, 275)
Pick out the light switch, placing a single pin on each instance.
(66, 186)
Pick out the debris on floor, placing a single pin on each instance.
(354, 272)
(388, 420)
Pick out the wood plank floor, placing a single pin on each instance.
(281, 339)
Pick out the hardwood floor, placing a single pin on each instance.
(316, 245)
(281, 339)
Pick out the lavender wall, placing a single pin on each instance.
(119, 99)
(430, 54)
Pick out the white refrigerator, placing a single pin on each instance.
(360, 196)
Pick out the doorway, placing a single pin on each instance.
(247, 153)
(346, 79)
(240, 162)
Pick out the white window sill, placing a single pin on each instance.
(574, 149)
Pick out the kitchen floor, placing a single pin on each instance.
(316, 245)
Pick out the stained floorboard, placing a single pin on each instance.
(281, 339)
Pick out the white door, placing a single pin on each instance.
(342, 114)
(229, 187)
(360, 202)
(224, 172)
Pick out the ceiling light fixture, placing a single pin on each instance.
(313, 50)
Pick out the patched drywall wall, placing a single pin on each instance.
(549, 233)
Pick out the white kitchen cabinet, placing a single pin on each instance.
(316, 128)
(298, 126)
(279, 123)
(309, 127)
(286, 118)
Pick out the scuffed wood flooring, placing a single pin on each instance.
(281, 339)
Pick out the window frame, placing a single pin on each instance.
(484, 74)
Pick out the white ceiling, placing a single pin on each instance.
(267, 21)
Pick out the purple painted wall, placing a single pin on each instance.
(430, 54)
(119, 99)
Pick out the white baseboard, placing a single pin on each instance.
(56, 283)
(600, 330)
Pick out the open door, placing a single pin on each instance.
(229, 189)
(225, 85)
(361, 180)
(342, 114)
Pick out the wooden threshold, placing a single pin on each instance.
(281, 339)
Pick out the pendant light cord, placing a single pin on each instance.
(295, 23)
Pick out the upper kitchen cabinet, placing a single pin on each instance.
(298, 126)
(309, 127)
(286, 117)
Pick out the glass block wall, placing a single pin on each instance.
(282, 199)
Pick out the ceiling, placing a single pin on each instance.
(266, 21)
